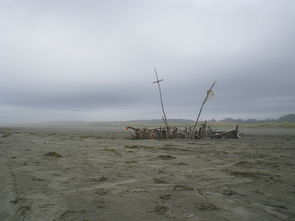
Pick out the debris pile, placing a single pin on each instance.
(182, 133)
(168, 132)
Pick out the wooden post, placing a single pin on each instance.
(161, 99)
(206, 98)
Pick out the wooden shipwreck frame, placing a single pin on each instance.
(195, 132)
(160, 133)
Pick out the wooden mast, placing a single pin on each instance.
(161, 99)
(206, 98)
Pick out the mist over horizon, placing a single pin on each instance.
(287, 118)
(95, 60)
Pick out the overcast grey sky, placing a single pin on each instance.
(93, 60)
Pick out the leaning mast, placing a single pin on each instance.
(161, 99)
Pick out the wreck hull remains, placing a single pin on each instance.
(182, 133)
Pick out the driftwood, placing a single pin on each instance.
(168, 132)
(205, 100)
(161, 99)
(182, 133)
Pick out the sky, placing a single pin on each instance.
(70, 60)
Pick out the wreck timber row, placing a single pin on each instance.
(182, 133)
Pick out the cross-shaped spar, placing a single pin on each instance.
(161, 99)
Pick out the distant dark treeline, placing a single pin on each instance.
(285, 118)
(290, 118)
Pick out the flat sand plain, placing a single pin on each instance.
(101, 175)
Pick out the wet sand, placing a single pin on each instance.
(101, 175)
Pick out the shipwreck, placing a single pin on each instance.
(191, 132)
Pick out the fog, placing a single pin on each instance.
(95, 60)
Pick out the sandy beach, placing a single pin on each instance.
(83, 174)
